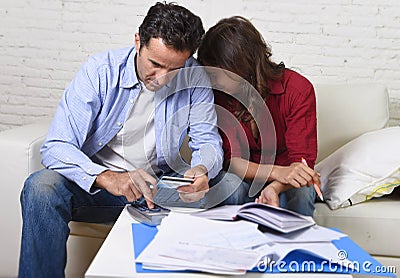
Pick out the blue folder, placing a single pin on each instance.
(364, 263)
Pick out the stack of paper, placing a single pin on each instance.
(187, 242)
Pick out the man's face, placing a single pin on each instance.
(155, 60)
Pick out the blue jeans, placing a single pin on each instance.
(300, 200)
(49, 202)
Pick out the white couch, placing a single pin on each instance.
(344, 112)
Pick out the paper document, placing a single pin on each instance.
(185, 241)
(279, 219)
(313, 234)
(215, 246)
(212, 256)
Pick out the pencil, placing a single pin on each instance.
(316, 187)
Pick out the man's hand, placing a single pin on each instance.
(297, 175)
(196, 190)
(133, 185)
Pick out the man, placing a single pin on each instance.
(118, 127)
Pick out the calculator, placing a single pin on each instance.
(141, 213)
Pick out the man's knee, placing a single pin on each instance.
(231, 189)
(233, 182)
(229, 182)
(40, 185)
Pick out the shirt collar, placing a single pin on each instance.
(128, 76)
(275, 87)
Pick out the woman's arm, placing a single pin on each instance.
(296, 175)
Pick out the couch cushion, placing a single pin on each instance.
(92, 230)
(345, 111)
(366, 167)
(373, 224)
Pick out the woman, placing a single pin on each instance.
(235, 46)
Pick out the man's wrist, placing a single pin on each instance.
(203, 169)
(101, 179)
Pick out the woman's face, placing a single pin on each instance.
(224, 80)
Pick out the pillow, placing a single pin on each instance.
(364, 168)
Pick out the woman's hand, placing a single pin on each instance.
(297, 175)
(270, 194)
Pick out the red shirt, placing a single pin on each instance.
(292, 105)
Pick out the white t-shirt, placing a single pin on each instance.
(134, 146)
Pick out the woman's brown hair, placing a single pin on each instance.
(234, 44)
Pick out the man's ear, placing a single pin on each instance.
(137, 42)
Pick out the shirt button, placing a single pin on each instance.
(119, 124)
(84, 177)
(131, 100)
(100, 144)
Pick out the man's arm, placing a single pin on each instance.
(71, 125)
(205, 141)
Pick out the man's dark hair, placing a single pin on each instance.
(175, 25)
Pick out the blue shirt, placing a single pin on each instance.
(95, 105)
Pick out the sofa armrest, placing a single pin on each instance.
(20, 157)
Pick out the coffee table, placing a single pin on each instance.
(115, 258)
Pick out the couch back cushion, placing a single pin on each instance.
(345, 111)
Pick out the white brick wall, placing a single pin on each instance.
(44, 42)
